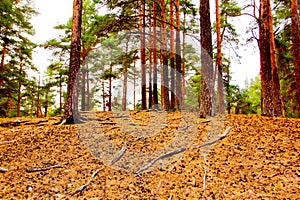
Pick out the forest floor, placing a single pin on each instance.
(259, 158)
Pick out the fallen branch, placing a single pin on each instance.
(8, 142)
(43, 169)
(81, 188)
(204, 178)
(217, 138)
(108, 123)
(119, 155)
(3, 170)
(177, 151)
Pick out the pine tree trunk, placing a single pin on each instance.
(19, 91)
(74, 60)
(219, 61)
(143, 53)
(172, 60)
(164, 71)
(296, 50)
(275, 77)
(155, 92)
(88, 104)
(183, 63)
(178, 59)
(60, 94)
(206, 91)
(83, 92)
(150, 74)
(265, 55)
(5, 39)
(110, 89)
(103, 97)
(124, 98)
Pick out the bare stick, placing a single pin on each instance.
(3, 170)
(43, 169)
(119, 155)
(81, 188)
(204, 178)
(7, 142)
(152, 162)
(217, 138)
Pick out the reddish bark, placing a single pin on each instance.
(74, 59)
(296, 50)
(219, 70)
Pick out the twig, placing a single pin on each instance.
(7, 142)
(3, 170)
(81, 188)
(119, 155)
(204, 178)
(43, 169)
(206, 121)
(152, 162)
(217, 138)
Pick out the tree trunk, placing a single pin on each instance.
(5, 39)
(265, 55)
(296, 50)
(110, 89)
(60, 94)
(206, 91)
(178, 59)
(83, 91)
(164, 71)
(150, 74)
(103, 96)
(276, 84)
(172, 60)
(219, 61)
(142, 26)
(155, 92)
(74, 59)
(19, 90)
(183, 63)
(88, 104)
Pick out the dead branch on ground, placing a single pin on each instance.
(43, 169)
(81, 188)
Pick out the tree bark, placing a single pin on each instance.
(142, 26)
(275, 77)
(265, 55)
(172, 60)
(178, 59)
(206, 91)
(164, 71)
(296, 50)
(19, 90)
(74, 59)
(155, 92)
(219, 61)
